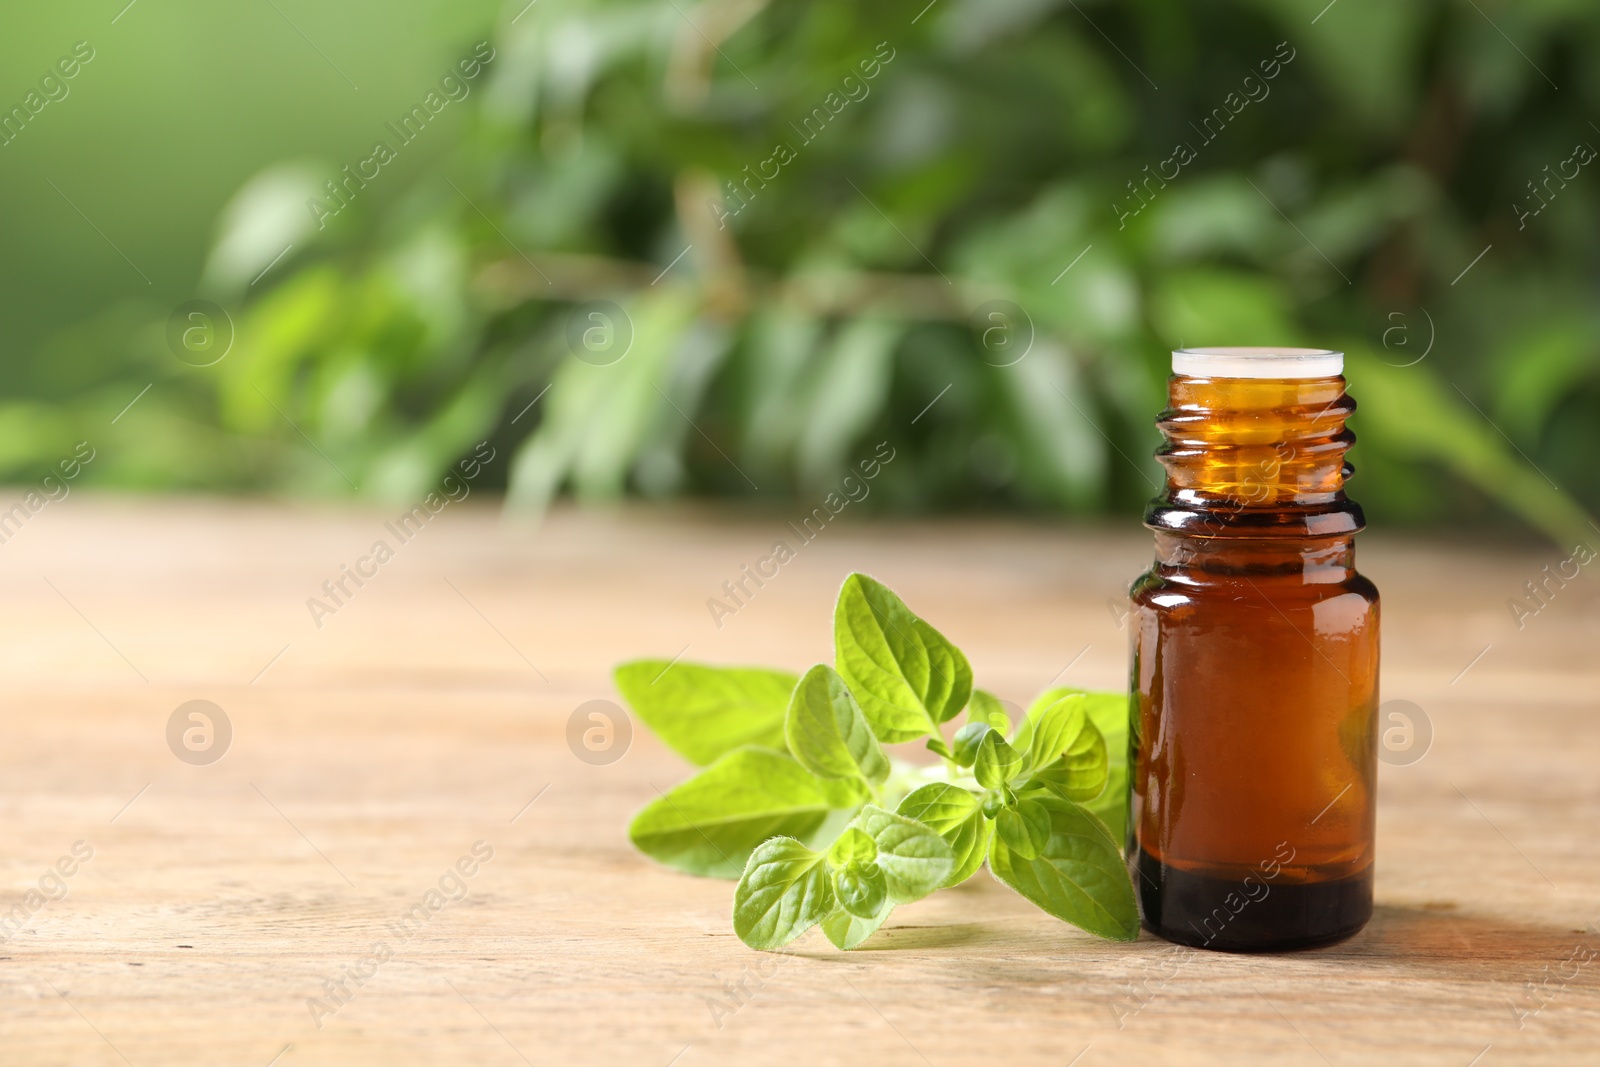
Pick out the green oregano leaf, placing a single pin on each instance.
(853, 846)
(846, 931)
(1065, 749)
(1109, 712)
(914, 858)
(1079, 876)
(710, 823)
(862, 889)
(986, 708)
(953, 813)
(785, 891)
(703, 712)
(997, 763)
(990, 801)
(827, 732)
(907, 677)
(911, 860)
(1044, 735)
(964, 746)
(1024, 827)
(1081, 775)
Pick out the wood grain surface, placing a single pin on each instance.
(370, 755)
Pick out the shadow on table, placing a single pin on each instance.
(934, 936)
(1441, 938)
(1430, 940)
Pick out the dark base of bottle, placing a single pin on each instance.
(1218, 913)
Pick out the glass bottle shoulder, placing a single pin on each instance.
(1170, 585)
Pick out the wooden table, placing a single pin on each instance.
(430, 711)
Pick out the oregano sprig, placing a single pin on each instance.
(799, 800)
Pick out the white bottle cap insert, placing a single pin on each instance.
(1257, 363)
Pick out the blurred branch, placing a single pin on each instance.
(570, 276)
(698, 44)
(727, 287)
(507, 282)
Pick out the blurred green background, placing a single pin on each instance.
(724, 248)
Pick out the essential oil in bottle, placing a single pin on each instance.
(1254, 663)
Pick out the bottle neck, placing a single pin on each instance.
(1255, 457)
(1313, 560)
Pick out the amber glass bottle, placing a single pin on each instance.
(1255, 663)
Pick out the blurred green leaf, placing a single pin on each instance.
(1410, 412)
(806, 265)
